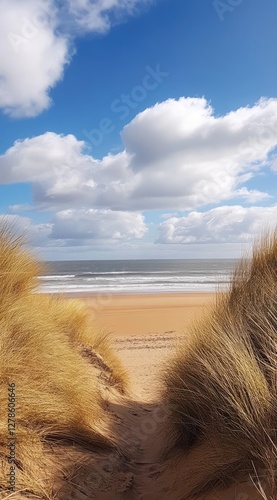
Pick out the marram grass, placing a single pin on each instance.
(59, 406)
(221, 385)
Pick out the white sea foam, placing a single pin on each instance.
(58, 277)
(137, 276)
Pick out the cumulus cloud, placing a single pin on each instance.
(42, 158)
(177, 156)
(81, 230)
(61, 174)
(181, 150)
(226, 224)
(97, 225)
(32, 57)
(36, 39)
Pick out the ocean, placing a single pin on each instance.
(136, 276)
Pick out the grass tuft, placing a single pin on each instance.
(221, 385)
(59, 403)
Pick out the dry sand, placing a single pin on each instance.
(145, 330)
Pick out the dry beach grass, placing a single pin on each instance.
(156, 410)
(45, 352)
(221, 385)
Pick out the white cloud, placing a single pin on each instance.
(99, 15)
(62, 175)
(181, 151)
(43, 159)
(226, 231)
(36, 44)
(97, 225)
(32, 56)
(177, 156)
(226, 224)
(86, 230)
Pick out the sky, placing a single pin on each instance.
(138, 129)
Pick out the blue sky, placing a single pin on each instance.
(138, 129)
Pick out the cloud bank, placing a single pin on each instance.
(97, 225)
(177, 155)
(80, 228)
(226, 224)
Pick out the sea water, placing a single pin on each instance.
(136, 276)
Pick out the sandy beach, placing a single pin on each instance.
(147, 313)
(145, 330)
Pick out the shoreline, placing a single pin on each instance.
(136, 293)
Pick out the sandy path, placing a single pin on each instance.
(145, 330)
(143, 357)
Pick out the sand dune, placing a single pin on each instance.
(132, 469)
(144, 354)
(118, 398)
